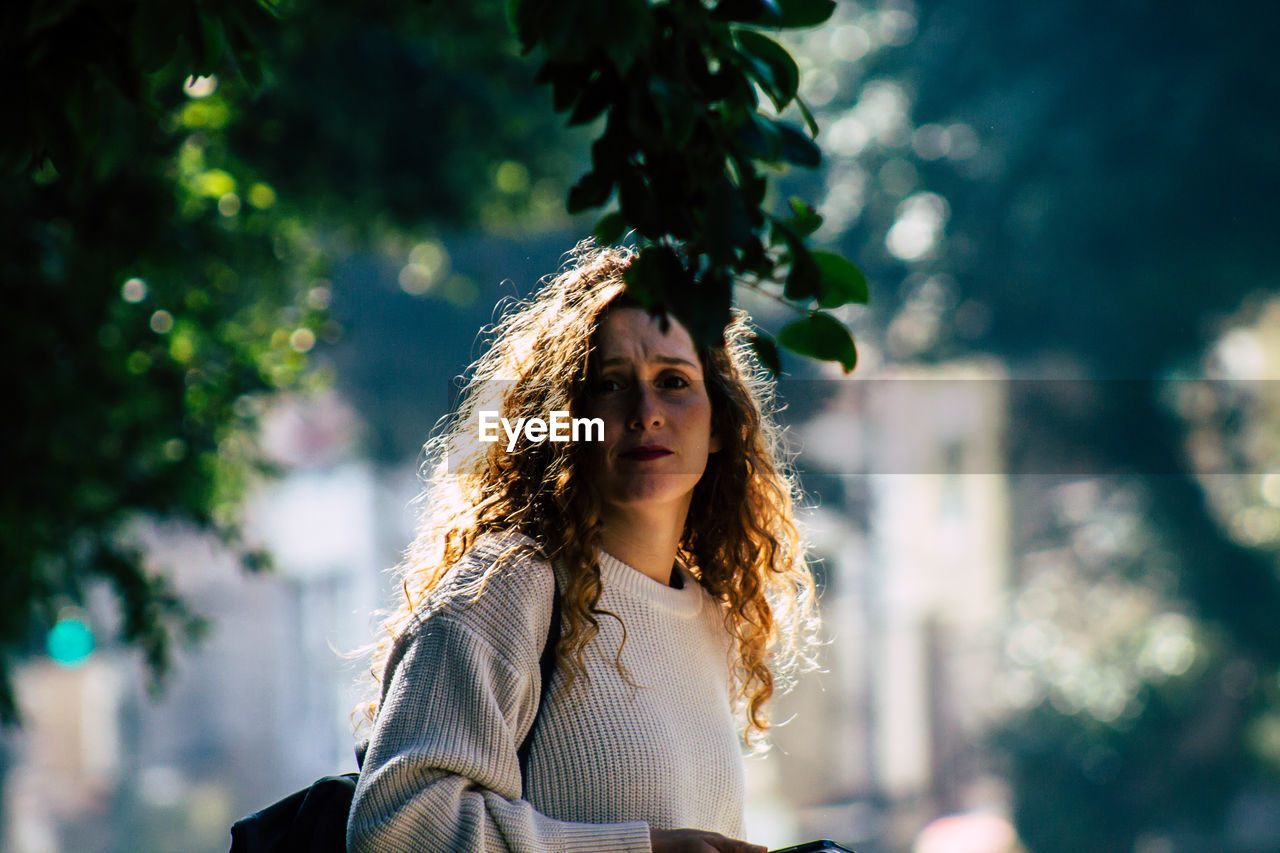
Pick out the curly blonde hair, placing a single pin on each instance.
(740, 539)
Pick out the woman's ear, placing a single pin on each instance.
(713, 445)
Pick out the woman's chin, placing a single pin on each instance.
(650, 491)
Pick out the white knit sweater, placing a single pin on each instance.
(609, 759)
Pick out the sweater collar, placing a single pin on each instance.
(616, 574)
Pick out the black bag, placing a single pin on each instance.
(314, 820)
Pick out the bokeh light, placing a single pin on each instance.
(511, 177)
(200, 87)
(134, 290)
(427, 267)
(302, 340)
(161, 322)
(1269, 488)
(70, 642)
(918, 226)
(261, 196)
(849, 42)
(229, 204)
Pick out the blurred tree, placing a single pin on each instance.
(153, 291)
(1086, 186)
(177, 175)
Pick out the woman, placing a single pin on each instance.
(680, 576)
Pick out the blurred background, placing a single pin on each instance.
(1046, 505)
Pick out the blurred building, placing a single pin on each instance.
(913, 531)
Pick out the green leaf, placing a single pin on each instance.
(756, 260)
(809, 121)
(840, 281)
(703, 306)
(48, 14)
(745, 11)
(727, 226)
(620, 31)
(677, 111)
(754, 187)
(155, 35)
(644, 119)
(759, 137)
(524, 17)
(203, 52)
(775, 13)
(591, 190)
(272, 8)
(214, 36)
(804, 281)
(805, 219)
(639, 206)
(627, 31)
(820, 336)
(561, 28)
(767, 351)
(610, 228)
(654, 272)
(595, 98)
(567, 79)
(803, 278)
(610, 153)
(771, 66)
(798, 148)
(805, 13)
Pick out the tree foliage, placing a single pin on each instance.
(684, 150)
(177, 176)
(154, 293)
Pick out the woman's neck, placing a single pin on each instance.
(647, 543)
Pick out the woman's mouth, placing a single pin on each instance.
(646, 452)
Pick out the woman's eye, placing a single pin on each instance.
(673, 382)
(607, 385)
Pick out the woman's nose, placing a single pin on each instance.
(646, 410)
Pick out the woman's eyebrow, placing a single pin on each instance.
(660, 359)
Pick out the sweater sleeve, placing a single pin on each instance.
(442, 773)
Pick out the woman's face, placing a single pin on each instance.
(648, 388)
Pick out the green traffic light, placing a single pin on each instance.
(70, 642)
